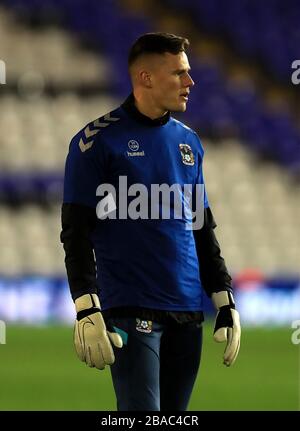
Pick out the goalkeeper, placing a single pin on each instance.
(137, 282)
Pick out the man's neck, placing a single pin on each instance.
(131, 108)
(148, 108)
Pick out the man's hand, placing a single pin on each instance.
(92, 340)
(227, 325)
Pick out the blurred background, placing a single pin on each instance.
(66, 65)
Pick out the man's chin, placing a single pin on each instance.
(180, 107)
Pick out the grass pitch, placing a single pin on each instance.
(40, 371)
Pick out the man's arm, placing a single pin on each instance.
(217, 283)
(78, 222)
(83, 173)
(213, 271)
(91, 338)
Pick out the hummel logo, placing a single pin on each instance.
(134, 147)
(97, 125)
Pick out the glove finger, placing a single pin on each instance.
(106, 350)
(78, 343)
(79, 352)
(97, 357)
(235, 354)
(232, 349)
(88, 357)
(220, 335)
(230, 359)
(228, 348)
(116, 339)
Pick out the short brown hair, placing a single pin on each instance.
(157, 43)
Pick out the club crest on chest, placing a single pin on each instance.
(187, 154)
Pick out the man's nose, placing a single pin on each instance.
(189, 81)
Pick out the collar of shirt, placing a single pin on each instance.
(132, 110)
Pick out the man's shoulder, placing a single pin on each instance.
(94, 130)
(189, 134)
(182, 126)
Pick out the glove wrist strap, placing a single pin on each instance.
(87, 312)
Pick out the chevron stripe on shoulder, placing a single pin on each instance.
(93, 128)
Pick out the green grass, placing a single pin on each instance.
(40, 371)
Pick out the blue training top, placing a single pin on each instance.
(149, 263)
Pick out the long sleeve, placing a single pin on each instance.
(213, 271)
(83, 173)
(78, 222)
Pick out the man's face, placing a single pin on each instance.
(171, 82)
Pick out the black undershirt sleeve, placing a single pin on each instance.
(213, 272)
(78, 222)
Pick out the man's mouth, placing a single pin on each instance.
(185, 96)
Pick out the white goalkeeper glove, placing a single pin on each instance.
(91, 338)
(227, 325)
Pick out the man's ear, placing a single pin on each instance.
(145, 78)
